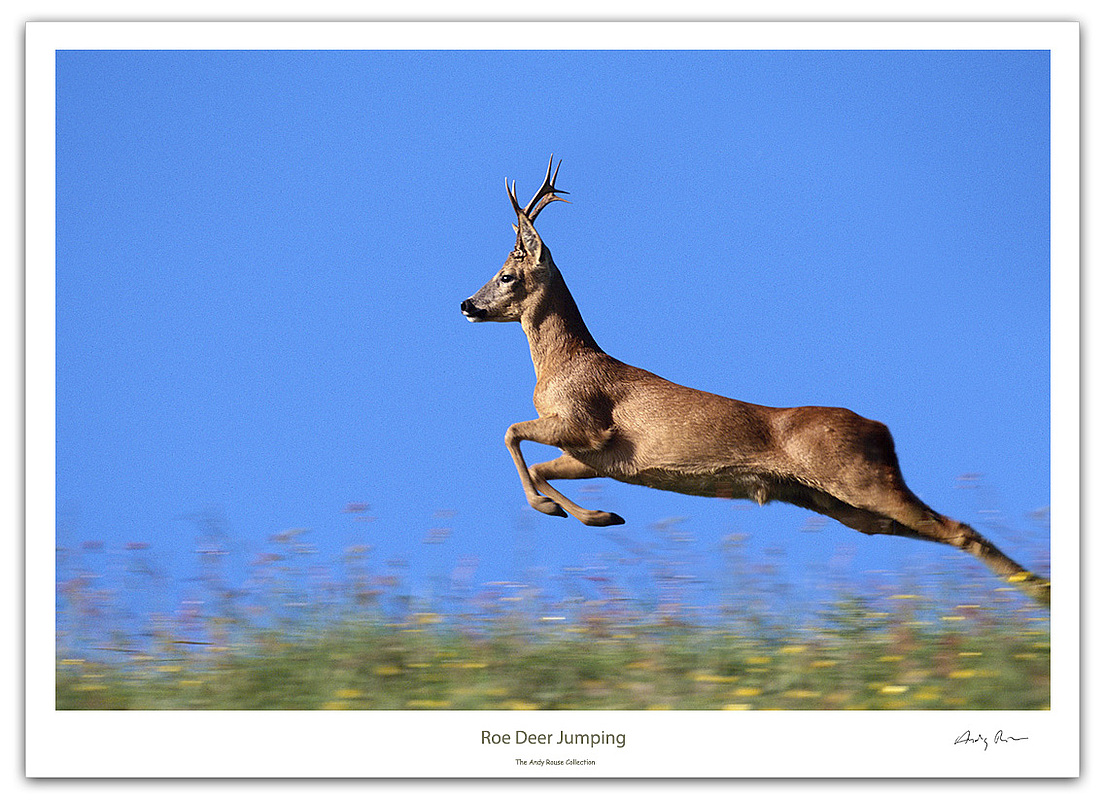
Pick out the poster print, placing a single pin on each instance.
(277, 497)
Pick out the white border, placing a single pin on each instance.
(446, 743)
(555, 35)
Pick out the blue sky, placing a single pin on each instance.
(261, 256)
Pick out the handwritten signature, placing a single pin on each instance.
(999, 737)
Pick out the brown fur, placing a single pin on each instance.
(617, 421)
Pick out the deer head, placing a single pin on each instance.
(528, 270)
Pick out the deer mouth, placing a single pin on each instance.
(472, 312)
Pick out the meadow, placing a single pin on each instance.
(294, 633)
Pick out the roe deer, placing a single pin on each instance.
(617, 421)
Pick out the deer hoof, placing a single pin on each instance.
(547, 506)
(600, 519)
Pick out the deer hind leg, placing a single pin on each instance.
(895, 510)
(946, 530)
(567, 467)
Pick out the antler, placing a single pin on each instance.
(545, 195)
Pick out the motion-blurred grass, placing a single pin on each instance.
(363, 644)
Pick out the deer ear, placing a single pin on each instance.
(528, 238)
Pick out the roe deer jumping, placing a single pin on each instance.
(617, 421)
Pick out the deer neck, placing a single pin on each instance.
(555, 328)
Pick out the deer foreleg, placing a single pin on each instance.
(570, 468)
(551, 431)
(545, 430)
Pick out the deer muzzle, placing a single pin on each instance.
(472, 312)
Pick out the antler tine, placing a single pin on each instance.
(547, 193)
(546, 186)
(513, 194)
(544, 202)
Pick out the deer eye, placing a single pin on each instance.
(506, 278)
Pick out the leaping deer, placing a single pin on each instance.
(616, 421)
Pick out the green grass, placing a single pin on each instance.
(864, 659)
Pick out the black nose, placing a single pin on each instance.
(469, 309)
